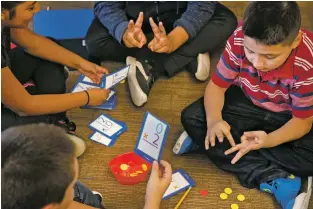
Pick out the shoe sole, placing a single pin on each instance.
(180, 142)
(205, 63)
(137, 95)
(303, 199)
(79, 144)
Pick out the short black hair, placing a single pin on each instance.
(272, 22)
(10, 5)
(37, 166)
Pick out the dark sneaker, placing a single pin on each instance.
(67, 124)
(140, 80)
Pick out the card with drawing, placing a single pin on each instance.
(152, 138)
(97, 137)
(112, 79)
(108, 127)
(181, 181)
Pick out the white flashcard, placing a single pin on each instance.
(82, 87)
(105, 125)
(97, 137)
(181, 181)
(87, 80)
(152, 138)
(116, 77)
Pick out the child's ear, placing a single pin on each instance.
(297, 41)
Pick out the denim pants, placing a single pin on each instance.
(258, 166)
(85, 196)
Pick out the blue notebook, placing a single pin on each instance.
(63, 24)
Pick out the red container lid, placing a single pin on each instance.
(129, 168)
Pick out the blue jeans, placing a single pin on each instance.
(257, 166)
(85, 196)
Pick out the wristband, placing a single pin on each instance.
(87, 98)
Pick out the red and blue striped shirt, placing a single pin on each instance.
(287, 88)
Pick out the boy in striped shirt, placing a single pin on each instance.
(259, 104)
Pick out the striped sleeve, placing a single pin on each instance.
(302, 96)
(228, 65)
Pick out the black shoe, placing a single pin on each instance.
(140, 80)
(67, 124)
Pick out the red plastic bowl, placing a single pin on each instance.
(135, 172)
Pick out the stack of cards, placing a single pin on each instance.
(108, 82)
(106, 130)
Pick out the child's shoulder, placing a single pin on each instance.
(304, 53)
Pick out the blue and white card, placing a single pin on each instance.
(181, 181)
(79, 86)
(112, 79)
(109, 104)
(97, 137)
(109, 80)
(152, 138)
(107, 126)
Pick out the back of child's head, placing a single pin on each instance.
(272, 22)
(37, 166)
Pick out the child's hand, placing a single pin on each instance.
(219, 129)
(92, 71)
(252, 140)
(97, 96)
(160, 179)
(134, 36)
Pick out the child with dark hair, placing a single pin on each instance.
(33, 76)
(259, 105)
(39, 170)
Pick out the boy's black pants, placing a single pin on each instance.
(257, 166)
(85, 196)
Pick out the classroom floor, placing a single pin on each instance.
(168, 98)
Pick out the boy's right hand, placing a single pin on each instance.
(97, 96)
(159, 181)
(219, 129)
(134, 36)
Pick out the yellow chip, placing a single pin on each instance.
(241, 197)
(234, 206)
(123, 81)
(291, 176)
(139, 172)
(144, 167)
(223, 196)
(228, 190)
(123, 167)
(133, 174)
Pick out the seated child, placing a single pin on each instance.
(42, 174)
(39, 60)
(259, 104)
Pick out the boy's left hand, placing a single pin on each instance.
(161, 43)
(92, 70)
(252, 140)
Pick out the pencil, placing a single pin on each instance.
(182, 199)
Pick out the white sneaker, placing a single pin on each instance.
(79, 144)
(139, 80)
(303, 199)
(203, 68)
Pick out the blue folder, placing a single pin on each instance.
(63, 24)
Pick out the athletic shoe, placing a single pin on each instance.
(140, 80)
(285, 190)
(203, 68)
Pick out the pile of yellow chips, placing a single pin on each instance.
(228, 191)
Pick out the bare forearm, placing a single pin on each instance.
(213, 102)
(292, 130)
(77, 205)
(55, 103)
(178, 37)
(45, 48)
(153, 204)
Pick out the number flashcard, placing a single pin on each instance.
(97, 137)
(181, 181)
(152, 137)
(107, 126)
(112, 79)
